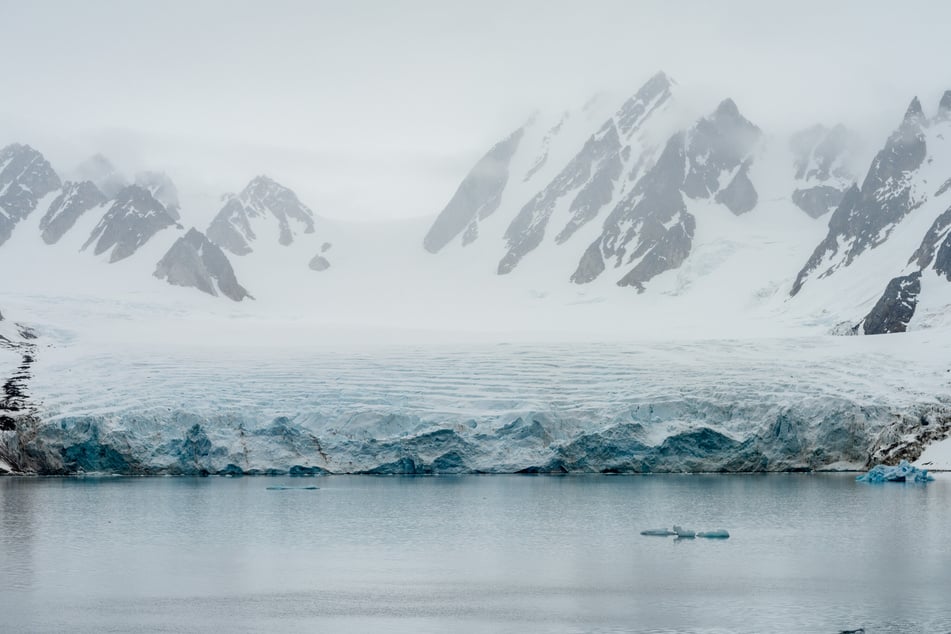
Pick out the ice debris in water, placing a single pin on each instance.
(683, 533)
(283, 488)
(904, 472)
(717, 534)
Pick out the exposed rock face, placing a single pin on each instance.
(478, 195)
(75, 200)
(896, 307)
(591, 174)
(866, 216)
(262, 201)
(135, 216)
(197, 262)
(162, 189)
(589, 179)
(739, 196)
(936, 246)
(823, 158)
(639, 222)
(319, 263)
(650, 228)
(818, 200)
(25, 178)
(719, 144)
(103, 173)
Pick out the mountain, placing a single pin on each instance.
(196, 261)
(650, 227)
(74, 200)
(162, 189)
(25, 178)
(129, 223)
(134, 217)
(693, 210)
(892, 231)
(255, 212)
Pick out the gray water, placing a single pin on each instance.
(808, 553)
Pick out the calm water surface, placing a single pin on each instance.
(808, 553)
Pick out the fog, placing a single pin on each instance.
(376, 110)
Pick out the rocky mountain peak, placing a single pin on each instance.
(195, 261)
(866, 216)
(653, 93)
(25, 177)
(944, 106)
(727, 109)
(162, 189)
(262, 200)
(914, 113)
(74, 200)
(134, 217)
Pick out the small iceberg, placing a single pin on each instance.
(717, 534)
(658, 532)
(904, 472)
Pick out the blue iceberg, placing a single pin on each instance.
(717, 534)
(904, 472)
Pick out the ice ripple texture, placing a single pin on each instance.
(759, 405)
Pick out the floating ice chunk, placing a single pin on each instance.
(904, 472)
(684, 533)
(717, 534)
(658, 532)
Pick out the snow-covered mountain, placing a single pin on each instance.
(25, 178)
(891, 233)
(715, 210)
(141, 222)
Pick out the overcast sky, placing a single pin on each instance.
(377, 109)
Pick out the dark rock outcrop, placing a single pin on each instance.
(195, 261)
(25, 177)
(75, 200)
(896, 306)
(134, 217)
(318, 263)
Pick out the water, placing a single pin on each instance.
(808, 553)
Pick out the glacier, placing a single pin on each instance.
(791, 404)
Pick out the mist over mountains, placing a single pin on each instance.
(642, 197)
